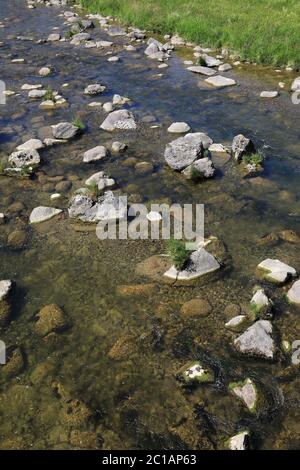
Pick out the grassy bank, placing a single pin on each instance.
(265, 31)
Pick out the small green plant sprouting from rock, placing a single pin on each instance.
(254, 159)
(70, 34)
(178, 253)
(94, 190)
(50, 95)
(196, 175)
(201, 61)
(77, 122)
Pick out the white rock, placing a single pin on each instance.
(235, 321)
(36, 94)
(32, 144)
(95, 154)
(122, 119)
(154, 216)
(293, 294)
(199, 264)
(103, 44)
(5, 289)
(276, 271)
(269, 94)
(55, 196)
(296, 84)
(179, 127)
(246, 392)
(44, 71)
(42, 213)
(108, 107)
(219, 82)
(94, 89)
(113, 59)
(218, 148)
(260, 300)
(257, 340)
(54, 37)
(29, 87)
(239, 441)
(95, 104)
(224, 67)
(120, 100)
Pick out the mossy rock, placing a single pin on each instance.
(17, 239)
(15, 363)
(85, 440)
(76, 413)
(50, 319)
(196, 308)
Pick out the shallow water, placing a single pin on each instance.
(136, 402)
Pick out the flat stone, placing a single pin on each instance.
(36, 94)
(179, 127)
(64, 130)
(29, 87)
(79, 38)
(101, 180)
(121, 119)
(257, 340)
(95, 154)
(269, 94)
(104, 44)
(113, 59)
(219, 82)
(54, 37)
(200, 263)
(276, 271)
(42, 213)
(194, 372)
(32, 144)
(116, 31)
(196, 308)
(218, 148)
(246, 391)
(211, 61)
(235, 322)
(183, 151)
(202, 70)
(5, 289)
(293, 294)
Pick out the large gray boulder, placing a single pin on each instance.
(241, 146)
(24, 158)
(257, 340)
(64, 130)
(183, 151)
(121, 119)
(107, 207)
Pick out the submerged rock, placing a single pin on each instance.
(269, 94)
(41, 214)
(183, 151)
(50, 319)
(257, 340)
(276, 271)
(194, 372)
(196, 308)
(293, 294)
(121, 119)
(296, 84)
(247, 392)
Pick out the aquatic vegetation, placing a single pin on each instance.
(77, 122)
(254, 159)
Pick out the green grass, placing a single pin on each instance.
(50, 95)
(265, 31)
(254, 159)
(178, 253)
(77, 122)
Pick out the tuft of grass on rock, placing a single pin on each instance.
(77, 122)
(178, 253)
(256, 159)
